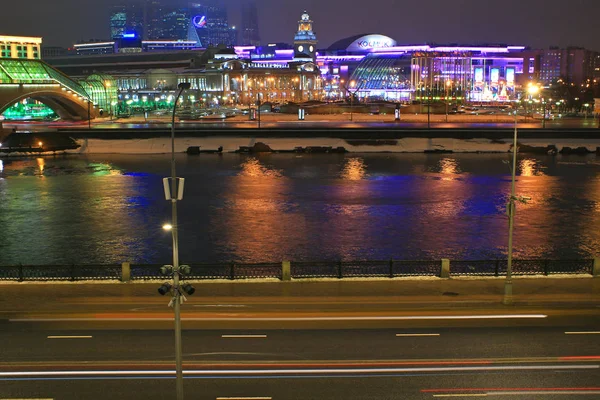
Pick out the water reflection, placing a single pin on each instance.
(253, 168)
(256, 216)
(448, 168)
(41, 163)
(355, 169)
(530, 167)
(281, 206)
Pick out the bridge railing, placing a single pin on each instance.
(302, 270)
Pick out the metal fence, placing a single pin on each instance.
(520, 267)
(303, 269)
(349, 269)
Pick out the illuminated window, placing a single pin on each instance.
(5, 51)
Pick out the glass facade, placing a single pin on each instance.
(383, 76)
(35, 71)
(102, 89)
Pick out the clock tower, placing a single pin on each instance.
(305, 41)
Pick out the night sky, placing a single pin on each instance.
(535, 23)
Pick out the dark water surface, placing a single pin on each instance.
(110, 208)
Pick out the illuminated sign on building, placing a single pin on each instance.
(479, 75)
(510, 76)
(495, 75)
(199, 21)
(369, 42)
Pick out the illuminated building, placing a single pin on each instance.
(209, 25)
(573, 65)
(128, 18)
(250, 32)
(380, 68)
(20, 47)
(305, 41)
(127, 46)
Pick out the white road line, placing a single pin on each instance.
(299, 371)
(243, 336)
(416, 334)
(583, 333)
(263, 319)
(69, 337)
(244, 398)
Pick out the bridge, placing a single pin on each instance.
(21, 79)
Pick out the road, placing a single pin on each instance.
(284, 121)
(321, 340)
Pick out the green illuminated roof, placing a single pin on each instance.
(36, 72)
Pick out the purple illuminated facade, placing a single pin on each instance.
(380, 68)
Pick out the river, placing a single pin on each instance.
(99, 209)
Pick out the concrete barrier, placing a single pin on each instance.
(445, 272)
(125, 272)
(286, 271)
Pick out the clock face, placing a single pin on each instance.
(311, 49)
(300, 48)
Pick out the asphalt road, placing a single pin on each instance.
(503, 363)
(338, 340)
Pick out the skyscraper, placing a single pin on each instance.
(209, 25)
(127, 18)
(205, 23)
(250, 32)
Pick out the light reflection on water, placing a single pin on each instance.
(98, 209)
(354, 169)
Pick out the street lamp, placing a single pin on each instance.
(448, 84)
(352, 89)
(532, 90)
(176, 193)
(508, 297)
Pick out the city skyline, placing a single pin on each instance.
(535, 23)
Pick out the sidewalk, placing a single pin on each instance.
(418, 294)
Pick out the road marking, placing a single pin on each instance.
(461, 395)
(244, 398)
(69, 337)
(221, 305)
(263, 319)
(583, 333)
(243, 336)
(296, 371)
(416, 334)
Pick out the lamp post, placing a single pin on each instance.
(448, 84)
(533, 90)
(258, 108)
(428, 109)
(352, 89)
(175, 268)
(508, 290)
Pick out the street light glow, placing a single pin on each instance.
(167, 227)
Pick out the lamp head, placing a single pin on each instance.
(184, 85)
(165, 288)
